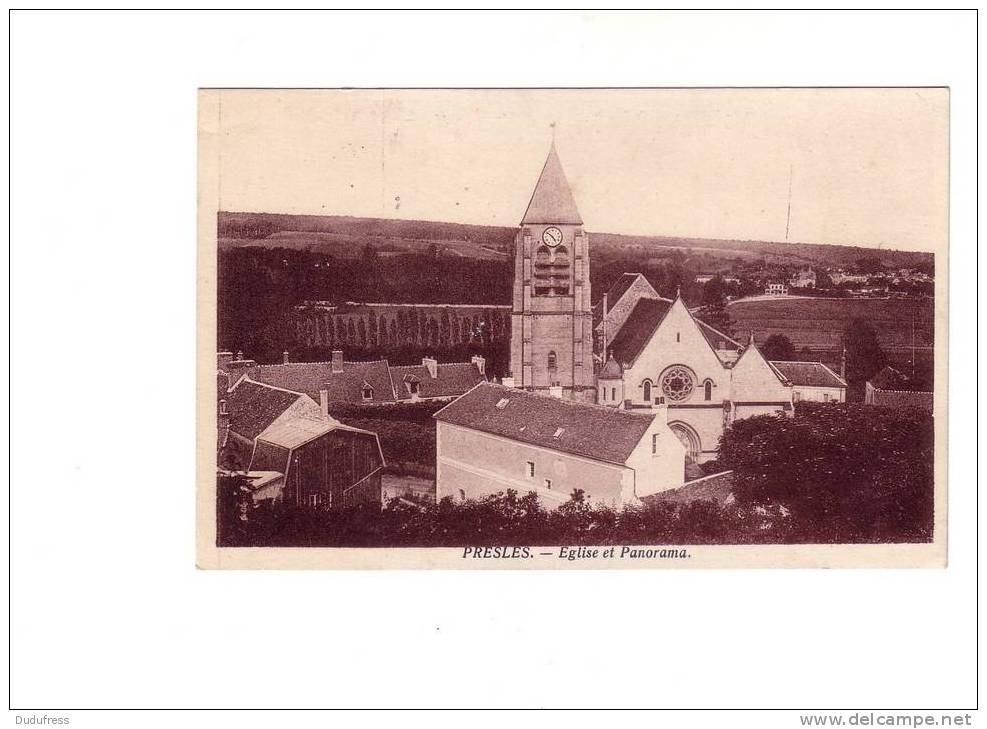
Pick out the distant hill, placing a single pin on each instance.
(345, 237)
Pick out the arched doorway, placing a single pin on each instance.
(689, 438)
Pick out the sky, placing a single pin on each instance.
(865, 166)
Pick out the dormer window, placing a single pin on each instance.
(367, 391)
(502, 403)
(413, 387)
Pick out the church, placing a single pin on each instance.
(635, 351)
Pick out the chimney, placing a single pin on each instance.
(480, 363)
(843, 365)
(431, 365)
(507, 381)
(324, 403)
(555, 391)
(284, 356)
(223, 359)
(337, 360)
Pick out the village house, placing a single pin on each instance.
(496, 438)
(812, 381)
(290, 449)
(775, 288)
(366, 383)
(803, 278)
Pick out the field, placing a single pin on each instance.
(819, 323)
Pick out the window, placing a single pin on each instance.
(796, 396)
(530, 469)
(677, 383)
(559, 432)
(647, 391)
(708, 390)
(654, 443)
(368, 392)
(414, 388)
(548, 483)
(825, 397)
(502, 403)
(678, 336)
(613, 393)
(552, 360)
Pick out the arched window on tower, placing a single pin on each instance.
(708, 390)
(552, 361)
(647, 390)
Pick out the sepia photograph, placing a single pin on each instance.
(521, 323)
(549, 361)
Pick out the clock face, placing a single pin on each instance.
(552, 236)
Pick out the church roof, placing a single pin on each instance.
(638, 328)
(552, 200)
(620, 287)
(550, 422)
(611, 370)
(808, 374)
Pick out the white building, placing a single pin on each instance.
(775, 288)
(496, 438)
(813, 381)
(663, 355)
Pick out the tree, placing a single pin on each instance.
(846, 473)
(864, 356)
(778, 348)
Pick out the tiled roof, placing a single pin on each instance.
(451, 380)
(809, 374)
(592, 431)
(637, 330)
(254, 406)
(344, 386)
(552, 200)
(717, 340)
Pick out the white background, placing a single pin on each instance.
(107, 608)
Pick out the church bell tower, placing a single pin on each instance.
(551, 319)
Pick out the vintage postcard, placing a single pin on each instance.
(572, 328)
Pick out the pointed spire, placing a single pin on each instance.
(552, 200)
(750, 342)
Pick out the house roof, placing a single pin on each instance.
(638, 328)
(809, 374)
(535, 419)
(451, 380)
(253, 406)
(297, 431)
(344, 386)
(552, 201)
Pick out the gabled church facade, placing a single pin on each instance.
(651, 352)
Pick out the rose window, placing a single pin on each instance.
(677, 383)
